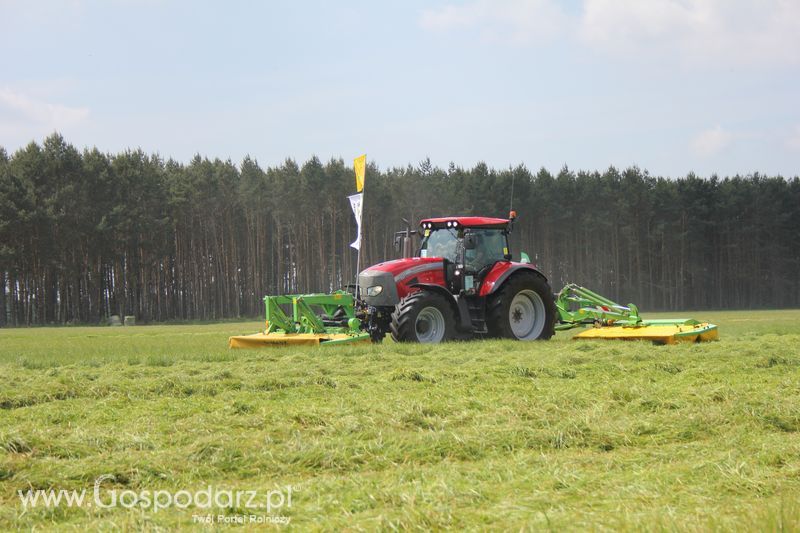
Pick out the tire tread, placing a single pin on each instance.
(405, 313)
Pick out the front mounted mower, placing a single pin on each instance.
(333, 322)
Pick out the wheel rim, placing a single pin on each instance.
(526, 315)
(429, 325)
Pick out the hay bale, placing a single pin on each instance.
(114, 320)
(130, 320)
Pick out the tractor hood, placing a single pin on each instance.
(402, 266)
(395, 279)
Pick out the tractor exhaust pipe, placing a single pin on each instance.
(403, 241)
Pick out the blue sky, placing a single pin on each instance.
(673, 86)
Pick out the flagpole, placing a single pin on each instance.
(360, 232)
(361, 224)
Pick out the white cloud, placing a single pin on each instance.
(710, 142)
(24, 118)
(703, 33)
(40, 112)
(696, 32)
(793, 141)
(514, 21)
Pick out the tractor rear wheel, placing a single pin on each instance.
(523, 308)
(423, 316)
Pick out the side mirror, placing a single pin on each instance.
(469, 241)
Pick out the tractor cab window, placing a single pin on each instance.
(490, 246)
(440, 243)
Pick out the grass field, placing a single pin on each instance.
(551, 435)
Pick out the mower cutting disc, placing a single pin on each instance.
(261, 340)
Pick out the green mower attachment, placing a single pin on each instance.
(335, 324)
(578, 306)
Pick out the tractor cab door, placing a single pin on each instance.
(483, 248)
(448, 245)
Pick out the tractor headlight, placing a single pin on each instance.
(375, 290)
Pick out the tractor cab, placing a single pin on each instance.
(474, 246)
(468, 246)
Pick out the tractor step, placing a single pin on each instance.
(477, 312)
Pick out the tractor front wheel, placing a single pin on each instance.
(423, 316)
(523, 308)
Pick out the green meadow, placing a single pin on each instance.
(601, 435)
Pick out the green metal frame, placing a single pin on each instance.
(304, 319)
(578, 306)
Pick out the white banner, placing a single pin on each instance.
(355, 203)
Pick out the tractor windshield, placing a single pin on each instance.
(490, 246)
(440, 243)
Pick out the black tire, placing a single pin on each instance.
(534, 297)
(437, 323)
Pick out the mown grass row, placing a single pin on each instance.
(467, 435)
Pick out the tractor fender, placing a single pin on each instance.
(500, 273)
(464, 322)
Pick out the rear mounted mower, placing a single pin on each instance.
(578, 306)
(462, 284)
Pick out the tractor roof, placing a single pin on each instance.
(467, 222)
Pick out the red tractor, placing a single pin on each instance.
(461, 284)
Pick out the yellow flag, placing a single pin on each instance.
(360, 166)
